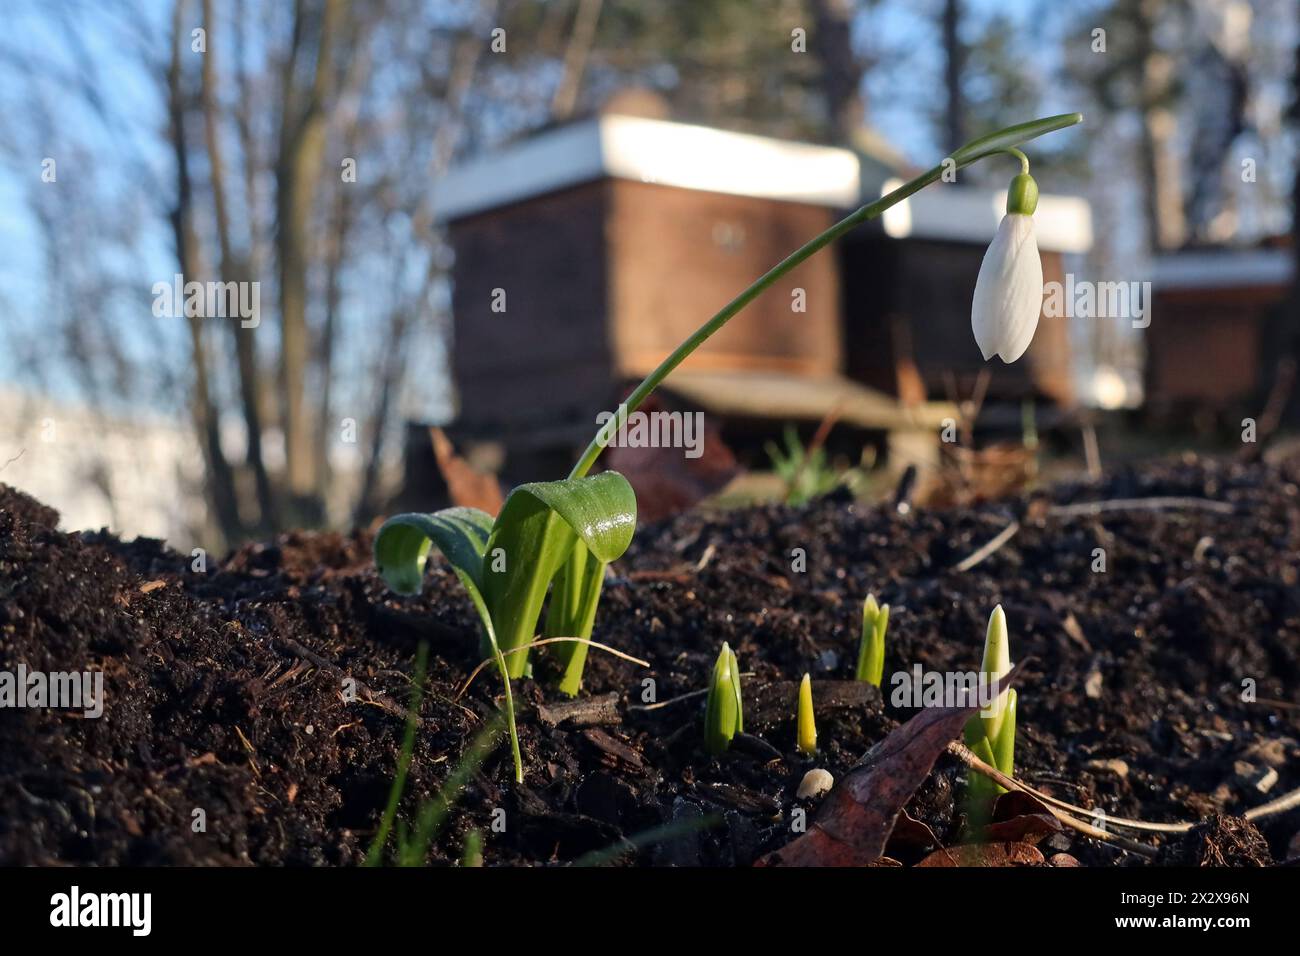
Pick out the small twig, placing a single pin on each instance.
(1002, 537)
(963, 753)
(1091, 450)
(679, 698)
(905, 490)
(382, 701)
(1139, 504)
(705, 558)
(1282, 804)
(539, 643)
(1271, 417)
(1281, 704)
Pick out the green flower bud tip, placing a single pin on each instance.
(807, 742)
(722, 712)
(1022, 196)
(871, 647)
(996, 665)
(735, 683)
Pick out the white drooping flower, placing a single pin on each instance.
(1009, 290)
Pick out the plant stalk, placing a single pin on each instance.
(977, 149)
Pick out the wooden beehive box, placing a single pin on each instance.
(584, 255)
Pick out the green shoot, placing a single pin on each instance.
(413, 843)
(871, 648)
(735, 683)
(724, 711)
(376, 852)
(507, 564)
(473, 849)
(664, 833)
(805, 472)
(992, 734)
(807, 734)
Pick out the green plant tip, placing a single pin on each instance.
(1022, 197)
(871, 647)
(723, 717)
(807, 742)
(1004, 748)
(995, 666)
(473, 855)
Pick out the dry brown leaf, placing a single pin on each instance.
(985, 854)
(1019, 817)
(466, 486)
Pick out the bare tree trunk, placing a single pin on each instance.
(1166, 221)
(219, 478)
(575, 58)
(302, 146)
(344, 119)
(389, 380)
(443, 148)
(341, 226)
(841, 68)
(953, 72)
(234, 270)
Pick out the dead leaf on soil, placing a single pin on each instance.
(857, 817)
(910, 834)
(986, 854)
(1019, 817)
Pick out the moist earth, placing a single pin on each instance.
(254, 712)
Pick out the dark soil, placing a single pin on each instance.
(226, 694)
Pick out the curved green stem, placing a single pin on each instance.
(977, 149)
(510, 714)
(1018, 154)
(504, 669)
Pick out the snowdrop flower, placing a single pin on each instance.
(1009, 290)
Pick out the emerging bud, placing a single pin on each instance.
(871, 647)
(807, 737)
(995, 666)
(1009, 291)
(722, 712)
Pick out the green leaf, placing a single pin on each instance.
(1012, 136)
(1004, 748)
(461, 534)
(735, 685)
(533, 537)
(980, 790)
(402, 546)
(871, 647)
(572, 612)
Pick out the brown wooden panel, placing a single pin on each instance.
(547, 355)
(677, 256)
(1204, 347)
